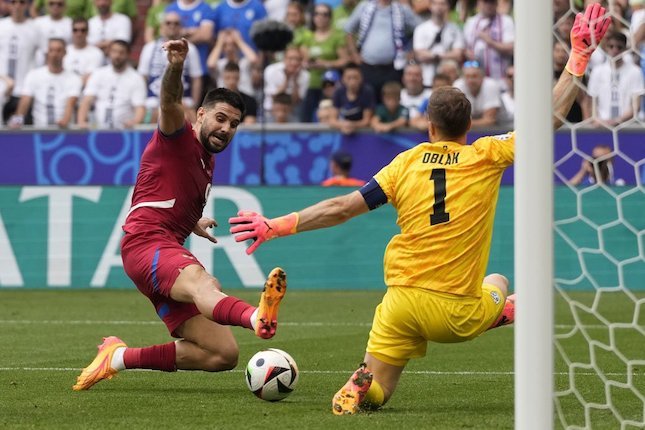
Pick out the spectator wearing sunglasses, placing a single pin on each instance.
(53, 25)
(82, 58)
(19, 40)
(436, 40)
(615, 87)
(482, 92)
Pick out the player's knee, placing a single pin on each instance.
(225, 359)
(499, 281)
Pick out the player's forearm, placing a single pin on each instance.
(328, 213)
(172, 88)
(564, 94)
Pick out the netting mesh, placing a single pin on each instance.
(600, 256)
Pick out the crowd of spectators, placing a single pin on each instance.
(351, 64)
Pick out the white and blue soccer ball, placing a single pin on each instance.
(271, 374)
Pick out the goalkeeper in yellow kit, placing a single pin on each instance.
(445, 193)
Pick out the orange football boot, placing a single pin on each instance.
(100, 368)
(347, 399)
(272, 294)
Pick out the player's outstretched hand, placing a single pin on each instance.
(253, 226)
(201, 228)
(586, 34)
(177, 50)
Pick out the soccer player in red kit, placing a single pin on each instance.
(170, 193)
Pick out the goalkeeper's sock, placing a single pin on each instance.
(156, 357)
(233, 311)
(374, 398)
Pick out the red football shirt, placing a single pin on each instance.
(172, 186)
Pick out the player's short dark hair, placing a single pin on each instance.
(224, 95)
(449, 110)
(122, 43)
(232, 66)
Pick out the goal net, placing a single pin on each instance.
(599, 245)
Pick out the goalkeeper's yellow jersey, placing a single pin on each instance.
(445, 196)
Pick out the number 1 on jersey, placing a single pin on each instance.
(439, 215)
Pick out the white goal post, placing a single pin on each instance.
(534, 321)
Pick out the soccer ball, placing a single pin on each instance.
(271, 374)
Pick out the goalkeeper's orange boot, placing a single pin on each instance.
(347, 399)
(267, 317)
(508, 313)
(100, 368)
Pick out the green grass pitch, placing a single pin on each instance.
(48, 336)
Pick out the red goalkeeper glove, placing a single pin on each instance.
(586, 34)
(251, 225)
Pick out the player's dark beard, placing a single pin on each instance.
(204, 139)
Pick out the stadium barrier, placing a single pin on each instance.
(68, 237)
(278, 156)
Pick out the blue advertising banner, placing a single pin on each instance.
(281, 157)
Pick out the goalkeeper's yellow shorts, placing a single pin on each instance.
(408, 318)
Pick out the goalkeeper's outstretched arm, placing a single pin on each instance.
(586, 34)
(327, 213)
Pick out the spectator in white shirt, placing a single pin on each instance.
(413, 94)
(118, 91)
(482, 92)
(449, 68)
(506, 115)
(153, 62)
(616, 85)
(6, 86)
(489, 39)
(18, 44)
(51, 90)
(82, 58)
(108, 26)
(54, 25)
(437, 39)
(288, 77)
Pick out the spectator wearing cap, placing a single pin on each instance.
(483, 93)
(340, 165)
(323, 47)
(325, 109)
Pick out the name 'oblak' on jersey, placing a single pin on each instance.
(445, 196)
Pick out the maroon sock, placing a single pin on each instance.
(233, 311)
(156, 357)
